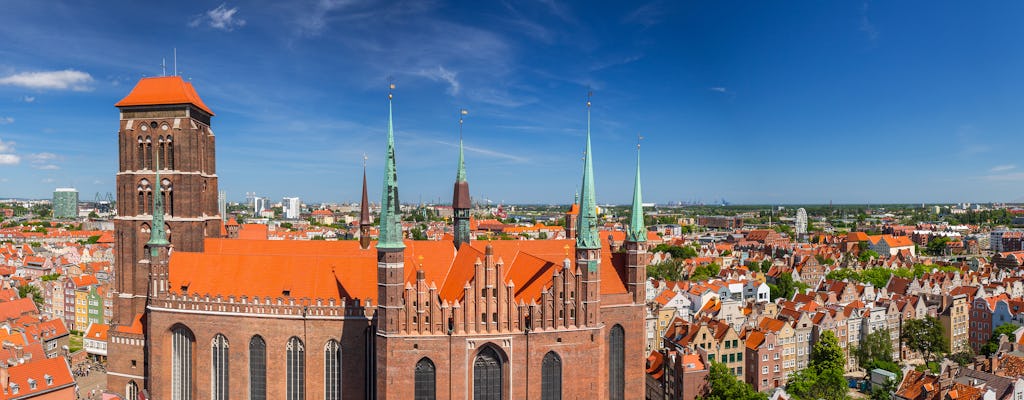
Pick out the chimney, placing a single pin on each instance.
(5, 377)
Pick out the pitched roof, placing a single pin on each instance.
(163, 90)
(97, 332)
(341, 269)
(37, 370)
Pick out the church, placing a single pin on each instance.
(202, 314)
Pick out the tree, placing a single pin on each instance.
(823, 378)
(886, 391)
(723, 385)
(27, 290)
(784, 287)
(705, 272)
(670, 270)
(874, 348)
(965, 356)
(925, 336)
(93, 215)
(766, 265)
(993, 342)
(681, 253)
(937, 246)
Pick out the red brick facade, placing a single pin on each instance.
(550, 306)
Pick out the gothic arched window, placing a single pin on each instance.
(426, 380)
(131, 390)
(169, 143)
(140, 155)
(551, 377)
(220, 368)
(257, 368)
(182, 341)
(487, 375)
(296, 369)
(332, 370)
(617, 363)
(148, 153)
(167, 189)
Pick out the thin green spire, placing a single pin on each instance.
(157, 237)
(390, 208)
(637, 230)
(460, 176)
(587, 236)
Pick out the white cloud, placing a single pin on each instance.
(442, 74)
(490, 153)
(29, 99)
(7, 156)
(44, 161)
(718, 89)
(6, 120)
(222, 18)
(9, 159)
(1001, 168)
(48, 180)
(97, 182)
(58, 80)
(43, 157)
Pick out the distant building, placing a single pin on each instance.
(801, 222)
(222, 204)
(65, 203)
(291, 207)
(720, 222)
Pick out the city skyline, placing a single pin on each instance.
(851, 103)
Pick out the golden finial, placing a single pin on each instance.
(589, 95)
(638, 139)
(566, 248)
(391, 86)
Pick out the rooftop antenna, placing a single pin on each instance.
(163, 66)
(175, 61)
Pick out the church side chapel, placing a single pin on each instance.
(204, 312)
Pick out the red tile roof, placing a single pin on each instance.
(38, 370)
(341, 269)
(97, 332)
(163, 90)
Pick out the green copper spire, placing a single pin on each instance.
(587, 237)
(637, 230)
(157, 237)
(390, 209)
(460, 176)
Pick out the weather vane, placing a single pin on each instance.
(639, 137)
(364, 160)
(391, 87)
(590, 94)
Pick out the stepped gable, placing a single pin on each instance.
(341, 269)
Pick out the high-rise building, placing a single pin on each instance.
(292, 207)
(65, 203)
(259, 204)
(801, 221)
(222, 204)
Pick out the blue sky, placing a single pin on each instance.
(754, 102)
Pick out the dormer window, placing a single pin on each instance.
(14, 388)
(49, 379)
(31, 383)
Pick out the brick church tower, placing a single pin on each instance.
(164, 124)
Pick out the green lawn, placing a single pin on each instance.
(75, 344)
